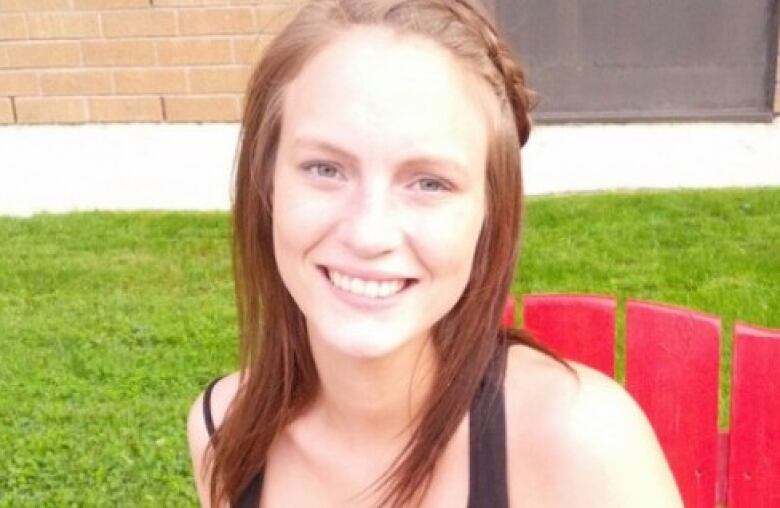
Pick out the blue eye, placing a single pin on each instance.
(322, 170)
(431, 185)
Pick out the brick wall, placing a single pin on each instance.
(79, 61)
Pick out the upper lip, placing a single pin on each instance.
(377, 275)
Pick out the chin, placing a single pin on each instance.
(364, 342)
(367, 350)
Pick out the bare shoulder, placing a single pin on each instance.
(221, 396)
(579, 440)
(197, 434)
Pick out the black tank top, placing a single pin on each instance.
(487, 445)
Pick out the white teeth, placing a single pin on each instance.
(357, 286)
(369, 288)
(372, 289)
(387, 288)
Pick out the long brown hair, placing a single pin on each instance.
(278, 375)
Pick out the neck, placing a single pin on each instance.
(373, 402)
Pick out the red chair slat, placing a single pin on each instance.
(722, 475)
(508, 316)
(578, 327)
(754, 458)
(672, 371)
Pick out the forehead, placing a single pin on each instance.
(373, 88)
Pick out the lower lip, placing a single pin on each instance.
(364, 302)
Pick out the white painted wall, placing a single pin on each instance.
(640, 156)
(189, 167)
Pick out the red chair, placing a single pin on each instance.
(672, 366)
(754, 441)
(580, 327)
(672, 358)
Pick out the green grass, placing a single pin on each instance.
(713, 251)
(110, 324)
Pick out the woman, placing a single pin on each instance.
(376, 222)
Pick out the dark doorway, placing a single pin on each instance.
(646, 59)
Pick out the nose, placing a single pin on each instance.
(370, 226)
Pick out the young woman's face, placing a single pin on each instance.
(379, 190)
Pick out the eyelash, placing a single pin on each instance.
(442, 185)
(312, 168)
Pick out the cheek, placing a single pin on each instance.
(285, 218)
(298, 219)
(293, 234)
(447, 239)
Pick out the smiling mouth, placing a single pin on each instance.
(377, 289)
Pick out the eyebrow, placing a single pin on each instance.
(418, 160)
(325, 146)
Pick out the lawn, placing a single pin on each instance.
(112, 323)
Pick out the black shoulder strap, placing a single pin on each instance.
(487, 442)
(250, 497)
(207, 407)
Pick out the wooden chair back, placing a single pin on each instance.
(672, 365)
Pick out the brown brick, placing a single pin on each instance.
(189, 51)
(214, 108)
(248, 50)
(18, 83)
(100, 5)
(51, 110)
(76, 82)
(219, 79)
(273, 18)
(34, 5)
(189, 3)
(12, 26)
(139, 23)
(44, 54)
(63, 25)
(6, 111)
(216, 21)
(294, 3)
(125, 109)
(128, 52)
(147, 81)
(4, 60)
